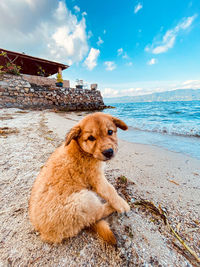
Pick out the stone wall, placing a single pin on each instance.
(44, 81)
(17, 92)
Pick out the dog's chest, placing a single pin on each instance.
(92, 173)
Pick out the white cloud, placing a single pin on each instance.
(190, 81)
(125, 56)
(147, 87)
(90, 34)
(186, 23)
(189, 84)
(129, 64)
(152, 61)
(138, 7)
(110, 65)
(168, 42)
(120, 51)
(44, 28)
(91, 60)
(77, 9)
(170, 36)
(60, 11)
(109, 92)
(100, 41)
(84, 14)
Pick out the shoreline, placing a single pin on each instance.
(166, 178)
(163, 148)
(123, 136)
(185, 145)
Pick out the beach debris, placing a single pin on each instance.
(174, 182)
(4, 131)
(6, 117)
(122, 184)
(49, 138)
(158, 211)
(178, 227)
(123, 179)
(128, 230)
(21, 111)
(58, 111)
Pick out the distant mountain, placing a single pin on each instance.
(175, 95)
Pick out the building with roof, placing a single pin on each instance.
(32, 65)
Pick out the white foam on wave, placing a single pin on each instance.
(181, 130)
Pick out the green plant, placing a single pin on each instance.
(1, 71)
(9, 66)
(59, 78)
(2, 54)
(41, 71)
(12, 68)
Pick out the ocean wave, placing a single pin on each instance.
(170, 131)
(169, 118)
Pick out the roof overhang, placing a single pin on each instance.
(32, 65)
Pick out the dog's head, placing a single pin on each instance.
(96, 134)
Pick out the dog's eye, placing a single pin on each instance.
(110, 132)
(91, 138)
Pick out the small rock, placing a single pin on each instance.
(124, 237)
(133, 200)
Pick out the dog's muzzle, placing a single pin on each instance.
(108, 153)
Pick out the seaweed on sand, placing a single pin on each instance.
(158, 211)
(122, 185)
(4, 131)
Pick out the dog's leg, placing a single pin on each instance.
(103, 230)
(80, 210)
(108, 192)
(101, 227)
(108, 209)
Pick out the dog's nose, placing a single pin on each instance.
(108, 153)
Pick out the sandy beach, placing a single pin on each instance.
(168, 179)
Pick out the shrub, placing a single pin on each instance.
(41, 71)
(9, 66)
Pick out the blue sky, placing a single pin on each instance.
(127, 47)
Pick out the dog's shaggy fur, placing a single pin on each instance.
(64, 196)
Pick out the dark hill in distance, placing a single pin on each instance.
(175, 95)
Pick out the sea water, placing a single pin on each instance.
(172, 125)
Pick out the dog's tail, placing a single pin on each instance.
(104, 231)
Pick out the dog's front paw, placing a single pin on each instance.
(121, 205)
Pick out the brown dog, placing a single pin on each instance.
(64, 196)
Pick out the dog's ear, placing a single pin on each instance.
(119, 123)
(72, 134)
